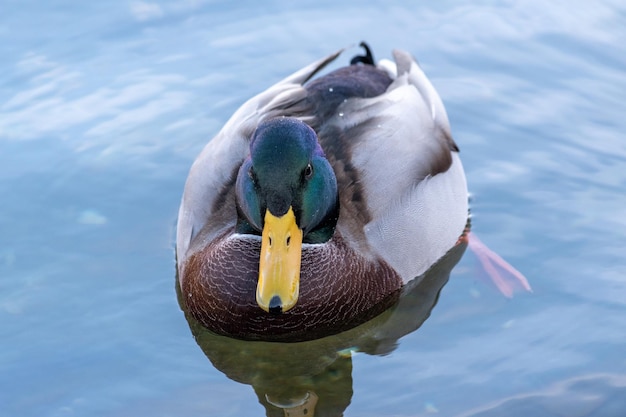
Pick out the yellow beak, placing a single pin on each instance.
(279, 266)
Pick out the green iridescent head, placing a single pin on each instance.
(287, 168)
(286, 191)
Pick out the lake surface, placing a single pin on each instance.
(104, 105)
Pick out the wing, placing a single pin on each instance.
(402, 187)
(208, 202)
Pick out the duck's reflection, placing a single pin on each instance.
(314, 378)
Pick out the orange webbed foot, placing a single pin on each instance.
(505, 277)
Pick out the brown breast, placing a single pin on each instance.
(339, 289)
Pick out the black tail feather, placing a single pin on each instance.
(367, 59)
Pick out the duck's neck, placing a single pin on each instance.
(320, 234)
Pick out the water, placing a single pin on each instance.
(104, 105)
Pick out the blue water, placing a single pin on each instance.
(104, 105)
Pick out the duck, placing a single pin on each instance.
(319, 200)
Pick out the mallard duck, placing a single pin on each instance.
(318, 200)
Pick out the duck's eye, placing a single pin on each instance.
(308, 171)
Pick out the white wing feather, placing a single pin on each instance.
(414, 222)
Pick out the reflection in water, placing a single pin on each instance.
(314, 378)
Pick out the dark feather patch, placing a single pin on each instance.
(338, 144)
(442, 160)
(226, 189)
(356, 81)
